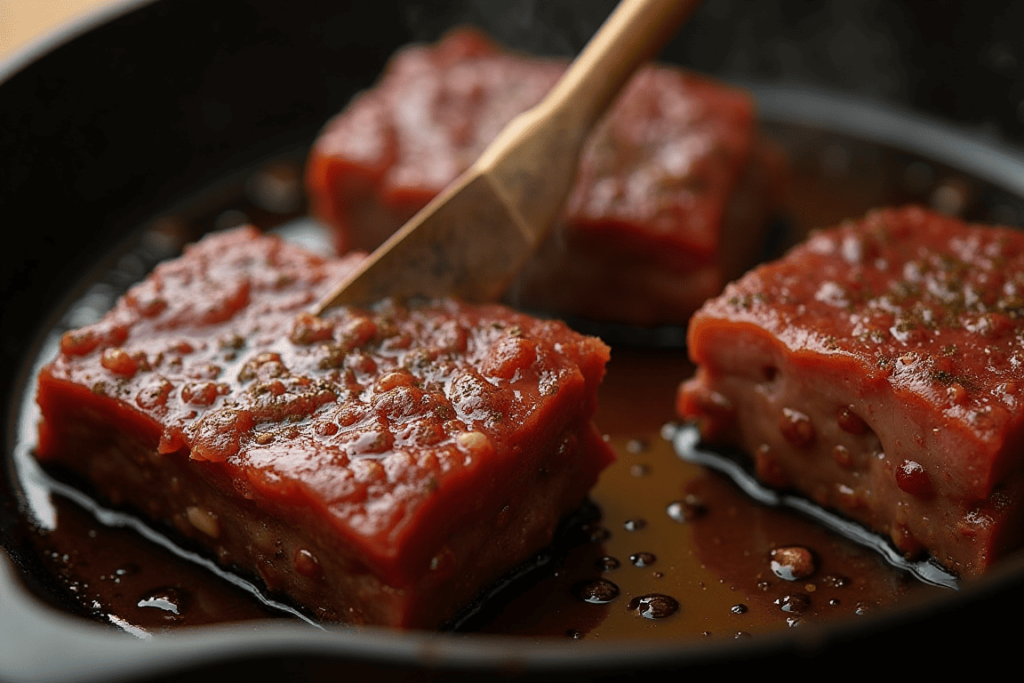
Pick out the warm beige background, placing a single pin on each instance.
(21, 21)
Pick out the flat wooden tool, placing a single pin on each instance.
(473, 237)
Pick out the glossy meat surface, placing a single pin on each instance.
(671, 199)
(879, 368)
(392, 454)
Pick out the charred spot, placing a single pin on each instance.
(264, 366)
(199, 393)
(745, 301)
(398, 402)
(231, 341)
(420, 358)
(154, 394)
(274, 387)
(1012, 305)
(902, 290)
(331, 356)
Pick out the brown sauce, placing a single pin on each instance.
(671, 528)
(666, 528)
(676, 551)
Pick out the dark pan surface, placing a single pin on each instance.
(106, 131)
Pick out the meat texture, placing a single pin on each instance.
(375, 466)
(671, 201)
(879, 369)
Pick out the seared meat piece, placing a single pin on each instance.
(376, 466)
(879, 368)
(672, 198)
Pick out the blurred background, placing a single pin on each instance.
(23, 21)
(958, 60)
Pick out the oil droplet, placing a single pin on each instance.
(833, 581)
(636, 446)
(654, 606)
(596, 592)
(912, 478)
(738, 609)
(668, 431)
(686, 510)
(642, 559)
(635, 524)
(170, 599)
(795, 603)
(307, 564)
(640, 470)
(797, 428)
(792, 563)
(607, 563)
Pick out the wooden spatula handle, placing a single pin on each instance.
(633, 34)
(470, 240)
(532, 163)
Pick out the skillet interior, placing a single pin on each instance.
(104, 131)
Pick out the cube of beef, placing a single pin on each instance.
(376, 466)
(673, 194)
(879, 369)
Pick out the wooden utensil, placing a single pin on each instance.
(473, 237)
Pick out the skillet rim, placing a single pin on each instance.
(210, 646)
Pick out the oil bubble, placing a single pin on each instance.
(654, 606)
(596, 591)
(642, 559)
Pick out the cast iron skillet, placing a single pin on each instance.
(101, 129)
